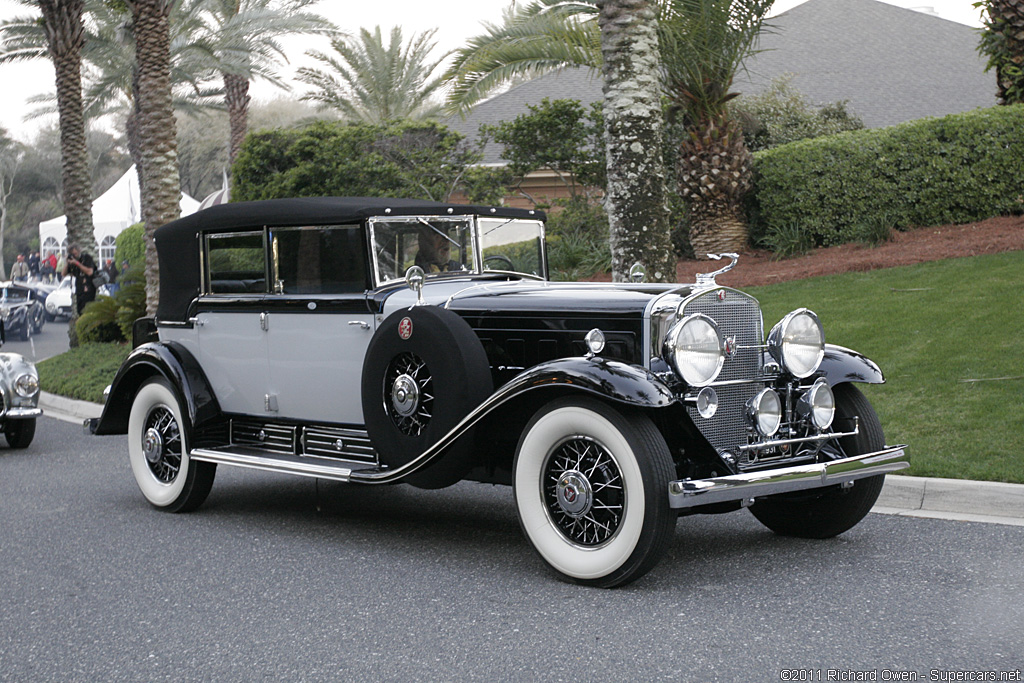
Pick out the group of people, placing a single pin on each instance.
(33, 266)
(79, 264)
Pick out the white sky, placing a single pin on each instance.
(457, 20)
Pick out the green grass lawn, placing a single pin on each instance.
(935, 329)
(83, 372)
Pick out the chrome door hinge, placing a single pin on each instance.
(264, 321)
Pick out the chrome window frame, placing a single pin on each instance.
(400, 277)
(204, 262)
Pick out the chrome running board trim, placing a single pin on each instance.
(688, 493)
(267, 461)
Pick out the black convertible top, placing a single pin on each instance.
(177, 243)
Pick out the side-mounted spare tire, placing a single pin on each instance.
(425, 370)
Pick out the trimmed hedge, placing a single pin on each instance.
(955, 169)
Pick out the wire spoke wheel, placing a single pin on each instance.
(583, 492)
(408, 392)
(161, 444)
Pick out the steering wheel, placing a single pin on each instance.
(504, 259)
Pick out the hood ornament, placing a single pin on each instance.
(705, 280)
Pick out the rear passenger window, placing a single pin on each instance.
(236, 263)
(319, 260)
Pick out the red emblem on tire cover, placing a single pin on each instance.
(405, 328)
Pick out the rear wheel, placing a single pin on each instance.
(830, 512)
(591, 489)
(158, 452)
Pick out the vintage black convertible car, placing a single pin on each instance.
(22, 312)
(387, 341)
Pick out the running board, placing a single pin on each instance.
(284, 463)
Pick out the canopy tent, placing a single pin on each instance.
(112, 212)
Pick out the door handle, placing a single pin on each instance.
(363, 325)
(196, 322)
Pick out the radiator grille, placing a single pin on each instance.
(739, 316)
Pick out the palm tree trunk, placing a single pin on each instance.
(65, 36)
(236, 96)
(161, 188)
(635, 196)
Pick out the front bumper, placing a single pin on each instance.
(21, 413)
(689, 493)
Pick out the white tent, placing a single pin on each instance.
(112, 212)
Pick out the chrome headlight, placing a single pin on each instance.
(765, 412)
(26, 385)
(798, 343)
(818, 405)
(5, 311)
(693, 347)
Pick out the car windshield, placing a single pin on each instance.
(511, 244)
(439, 245)
(13, 295)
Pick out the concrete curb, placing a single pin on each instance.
(963, 500)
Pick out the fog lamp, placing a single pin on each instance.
(595, 341)
(818, 405)
(765, 412)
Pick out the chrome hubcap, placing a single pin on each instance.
(574, 494)
(152, 445)
(405, 395)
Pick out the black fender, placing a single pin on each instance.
(173, 362)
(608, 379)
(841, 364)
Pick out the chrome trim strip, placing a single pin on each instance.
(270, 463)
(691, 493)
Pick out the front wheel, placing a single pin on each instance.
(19, 433)
(158, 452)
(830, 512)
(591, 489)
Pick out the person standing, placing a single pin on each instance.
(19, 271)
(81, 266)
(33, 264)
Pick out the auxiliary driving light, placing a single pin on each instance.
(765, 412)
(818, 405)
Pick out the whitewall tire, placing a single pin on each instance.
(591, 490)
(158, 451)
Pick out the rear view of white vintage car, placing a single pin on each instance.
(385, 341)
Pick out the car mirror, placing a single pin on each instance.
(414, 279)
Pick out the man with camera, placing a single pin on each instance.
(81, 266)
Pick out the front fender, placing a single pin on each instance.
(169, 360)
(619, 382)
(845, 365)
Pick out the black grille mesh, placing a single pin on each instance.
(739, 316)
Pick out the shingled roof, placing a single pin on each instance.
(891, 65)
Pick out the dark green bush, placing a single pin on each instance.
(131, 246)
(955, 169)
(577, 237)
(110, 319)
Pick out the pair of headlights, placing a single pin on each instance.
(817, 406)
(696, 351)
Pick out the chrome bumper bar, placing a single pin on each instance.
(693, 492)
(21, 413)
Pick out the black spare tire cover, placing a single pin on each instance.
(425, 369)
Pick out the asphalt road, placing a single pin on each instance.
(278, 578)
(48, 342)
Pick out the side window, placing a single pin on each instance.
(236, 263)
(319, 260)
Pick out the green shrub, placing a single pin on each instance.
(781, 114)
(110, 319)
(955, 169)
(577, 240)
(83, 372)
(131, 246)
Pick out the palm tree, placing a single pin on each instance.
(635, 192)
(1002, 39)
(531, 41)
(11, 155)
(373, 83)
(703, 44)
(58, 32)
(242, 37)
(159, 184)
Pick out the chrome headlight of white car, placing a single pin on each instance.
(26, 385)
(798, 343)
(694, 349)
